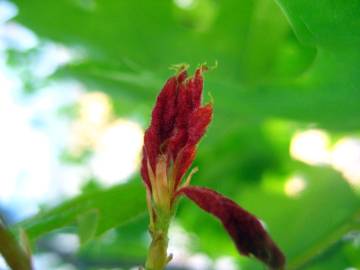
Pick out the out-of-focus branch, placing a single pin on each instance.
(13, 253)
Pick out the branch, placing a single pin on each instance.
(13, 253)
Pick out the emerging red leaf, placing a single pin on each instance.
(178, 122)
(245, 229)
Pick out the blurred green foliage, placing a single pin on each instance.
(283, 65)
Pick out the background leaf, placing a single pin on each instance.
(114, 207)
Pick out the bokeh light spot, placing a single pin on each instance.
(117, 152)
(345, 158)
(295, 185)
(184, 3)
(311, 146)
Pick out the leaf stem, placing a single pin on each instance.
(14, 255)
(157, 256)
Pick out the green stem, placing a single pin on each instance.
(14, 255)
(157, 256)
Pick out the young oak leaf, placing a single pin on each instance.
(245, 229)
(178, 122)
